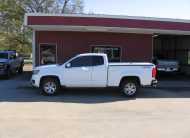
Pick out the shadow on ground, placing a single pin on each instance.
(18, 89)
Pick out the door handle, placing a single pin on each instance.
(84, 69)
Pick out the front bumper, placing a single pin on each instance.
(154, 83)
(35, 81)
(167, 69)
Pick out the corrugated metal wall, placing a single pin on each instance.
(135, 47)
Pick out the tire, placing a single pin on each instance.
(50, 86)
(8, 74)
(129, 88)
(20, 71)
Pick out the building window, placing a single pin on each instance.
(47, 54)
(113, 53)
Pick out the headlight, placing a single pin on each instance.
(35, 72)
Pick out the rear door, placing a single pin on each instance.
(99, 72)
(78, 74)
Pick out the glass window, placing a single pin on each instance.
(113, 53)
(4, 55)
(47, 54)
(83, 61)
(97, 60)
(189, 57)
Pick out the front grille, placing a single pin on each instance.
(2, 65)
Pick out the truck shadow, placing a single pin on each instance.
(18, 89)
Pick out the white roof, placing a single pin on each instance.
(111, 16)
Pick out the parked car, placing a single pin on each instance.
(166, 65)
(93, 70)
(10, 63)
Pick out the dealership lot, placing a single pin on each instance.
(155, 112)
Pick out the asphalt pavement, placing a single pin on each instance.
(155, 112)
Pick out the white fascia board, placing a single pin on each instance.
(106, 29)
(34, 48)
(111, 16)
(25, 19)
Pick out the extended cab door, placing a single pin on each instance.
(99, 71)
(78, 72)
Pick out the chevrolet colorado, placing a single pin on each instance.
(93, 70)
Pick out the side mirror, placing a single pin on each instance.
(68, 65)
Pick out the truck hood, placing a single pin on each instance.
(46, 66)
(3, 60)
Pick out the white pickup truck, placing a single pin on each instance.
(92, 70)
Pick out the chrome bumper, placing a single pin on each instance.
(154, 83)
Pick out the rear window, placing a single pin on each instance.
(4, 55)
(97, 60)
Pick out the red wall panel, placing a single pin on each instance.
(108, 22)
(135, 47)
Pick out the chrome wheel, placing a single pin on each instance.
(130, 89)
(50, 87)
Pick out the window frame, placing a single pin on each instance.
(112, 46)
(48, 44)
(79, 66)
(188, 57)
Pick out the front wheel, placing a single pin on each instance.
(129, 88)
(8, 74)
(20, 71)
(50, 86)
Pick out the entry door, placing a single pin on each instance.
(79, 73)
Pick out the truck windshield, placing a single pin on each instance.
(4, 55)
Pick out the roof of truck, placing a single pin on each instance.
(92, 54)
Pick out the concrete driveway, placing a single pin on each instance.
(155, 112)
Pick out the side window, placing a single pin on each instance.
(97, 60)
(83, 61)
(113, 52)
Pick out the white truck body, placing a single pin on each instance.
(97, 74)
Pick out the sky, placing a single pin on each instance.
(177, 9)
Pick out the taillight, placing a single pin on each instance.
(154, 72)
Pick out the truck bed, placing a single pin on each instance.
(131, 64)
(141, 69)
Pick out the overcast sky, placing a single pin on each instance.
(150, 8)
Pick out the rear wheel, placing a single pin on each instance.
(129, 88)
(50, 86)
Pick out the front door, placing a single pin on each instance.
(79, 72)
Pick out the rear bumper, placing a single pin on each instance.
(168, 69)
(154, 83)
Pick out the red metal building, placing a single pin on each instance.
(56, 38)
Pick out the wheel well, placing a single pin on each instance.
(135, 78)
(45, 77)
